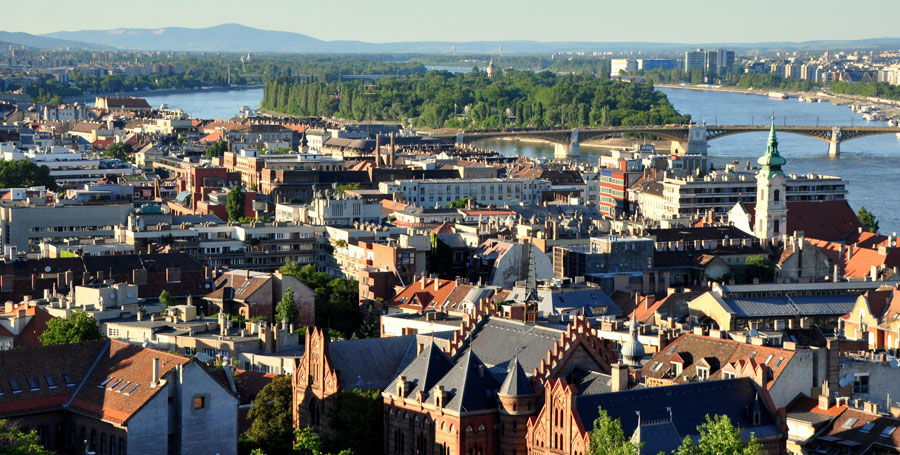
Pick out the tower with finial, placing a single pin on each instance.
(490, 68)
(771, 207)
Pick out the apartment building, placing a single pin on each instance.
(497, 191)
(24, 223)
(676, 196)
(339, 211)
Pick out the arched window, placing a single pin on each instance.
(313, 413)
(102, 443)
(777, 195)
(777, 226)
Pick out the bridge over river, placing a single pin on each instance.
(685, 138)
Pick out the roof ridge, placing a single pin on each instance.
(89, 372)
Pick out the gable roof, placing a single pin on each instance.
(470, 385)
(371, 363)
(425, 371)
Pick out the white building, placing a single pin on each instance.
(440, 192)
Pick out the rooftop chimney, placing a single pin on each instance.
(155, 379)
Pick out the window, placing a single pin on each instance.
(849, 423)
(105, 381)
(114, 384)
(888, 431)
(32, 383)
(777, 228)
(769, 358)
(777, 195)
(778, 362)
(861, 383)
(51, 383)
(728, 375)
(199, 402)
(14, 386)
(68, 378)
(867, 427)
(703, 373)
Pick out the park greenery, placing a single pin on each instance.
(608, 438)
(14, 441)
(25, 173)
(337, 303)
(76, 328)
(119, 151)
(473, 100)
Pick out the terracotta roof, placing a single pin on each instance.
(422, 294)
(825, 220)
(237, 285)
(807, 404)
(855, 432)
(215, 136)
(724, 351)
(125, 364)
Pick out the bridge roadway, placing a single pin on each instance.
(685, 138)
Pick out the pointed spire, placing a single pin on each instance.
(772, 160)
(516, 382)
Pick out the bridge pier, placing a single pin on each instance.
(565, 150)
(834, 145)
(695, 143)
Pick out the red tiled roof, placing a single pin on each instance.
(215, 136)
(824, 220)
(421, 294)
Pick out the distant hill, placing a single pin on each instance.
(43, 42)
(240, 38)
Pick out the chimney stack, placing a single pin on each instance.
(155, 380)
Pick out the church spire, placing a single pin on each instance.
(772, 161)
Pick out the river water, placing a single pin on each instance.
(870, 165)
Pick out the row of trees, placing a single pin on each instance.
(25, 173)
(443, 99)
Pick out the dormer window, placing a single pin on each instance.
(675, 367)
(728, 375)
(703, 373)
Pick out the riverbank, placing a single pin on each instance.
(90, 97)
(891, 108)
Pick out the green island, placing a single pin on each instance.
(441, 99)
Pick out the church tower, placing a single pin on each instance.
(771, 207)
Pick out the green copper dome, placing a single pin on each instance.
(772, 161)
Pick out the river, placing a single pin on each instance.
(869, 165)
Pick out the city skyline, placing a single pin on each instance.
(766, 21)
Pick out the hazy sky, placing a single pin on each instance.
(471, 20)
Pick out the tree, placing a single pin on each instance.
(78, 327)
(307, 442)
(286, 309)
(216, 149)
(24, 173)
(16, 442)
(759, 267)
(868, 220)
(272, 427)
(166, 298)
(608, 438)
(119, 151)
(357, 422)
(235, 204)
(719, 437)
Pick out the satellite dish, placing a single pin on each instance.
(203, 357)
(843, 382)
(113, 295)
(206, 285)
(894, 363)
(47, 269)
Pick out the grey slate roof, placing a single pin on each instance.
(799, 287)
(690, 403)
(470, 385)
(371, 363)
(516, 383)
(496, 339)
(657, 437)
(791, 306)
(554, 300)
(424, 371)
